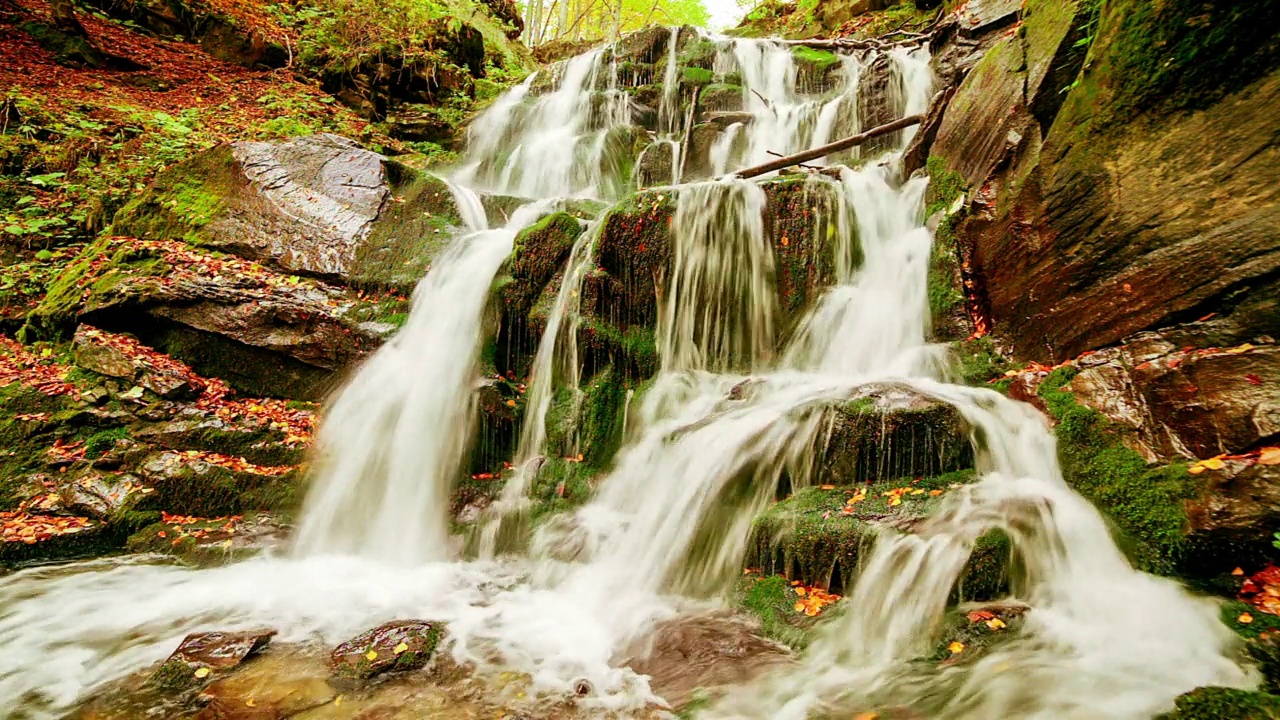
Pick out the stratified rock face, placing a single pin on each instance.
(1185, 403)
(318, 205)
(395, 646)
(1149, 197)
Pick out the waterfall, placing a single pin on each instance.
(392, 443)
(737, 404)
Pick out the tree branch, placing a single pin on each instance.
(825, 150)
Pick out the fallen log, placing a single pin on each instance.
(825, 150)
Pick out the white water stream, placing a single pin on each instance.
(729, 413)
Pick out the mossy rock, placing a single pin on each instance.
(814, 68)
(540, 252)
(1219, 703)
(318, 205)
(595, 430)
(817, 535)
(208, 542)
(891, 431)
(771, 599)
(191, 486)
(396, 646)
(722, 97)
(1146, 503)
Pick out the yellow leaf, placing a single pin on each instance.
(1242, 349)
(1213, 463)
(800, 591)
(1269, 456)
(800, 607)
(1195, 469)
(202, 672)
(995, 623)
(956, 647)
(1245, 618)
(251, 702)
(401, 648)
(372, 655)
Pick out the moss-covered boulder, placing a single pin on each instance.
(817, 535)
(206, 542)
(318, 205)
(889, 431)
(1219, 703)
(396, 646)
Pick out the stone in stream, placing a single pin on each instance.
(688, 655)
(887, 431)
(203, 655)
(392, 647)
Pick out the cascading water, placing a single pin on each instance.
(727, 416)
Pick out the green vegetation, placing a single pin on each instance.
(810, 537)
(1146, 503)
(1218, 703)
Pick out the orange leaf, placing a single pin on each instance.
(1245, 618)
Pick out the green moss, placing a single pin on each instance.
(409, 235)
(772, 601)
(102, 441)
(539, 253)
(181, 200)
(821, 59)
(88, 282)
(1260, 623)
(1187, 53)
(1146, 503)
(809, 537)
(978, 362)
(562, 484)
(697, 77)
(1219, 703)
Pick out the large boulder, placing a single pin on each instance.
(318, 205)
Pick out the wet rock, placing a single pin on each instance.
(1234, 518)
(1180, 403)
(655, 165)
(392, 647)
(207, 542)
(991, 111)
(888, 431)
(208, 485)
(703, 652)
(646, 45)
(982, 16)
(202, 655)
(94, 351)
(318, 205)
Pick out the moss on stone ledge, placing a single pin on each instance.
(1146, 503)
(810, 538)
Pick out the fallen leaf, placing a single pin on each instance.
(371, 655)
(956, 647)
(800, 591)
(1253, 379)
(995, 623)
(251, 703)
(827, 487)
(202, 672)
(1245, 618)
(401, 648)
(1269, 456)
(1238, 571)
